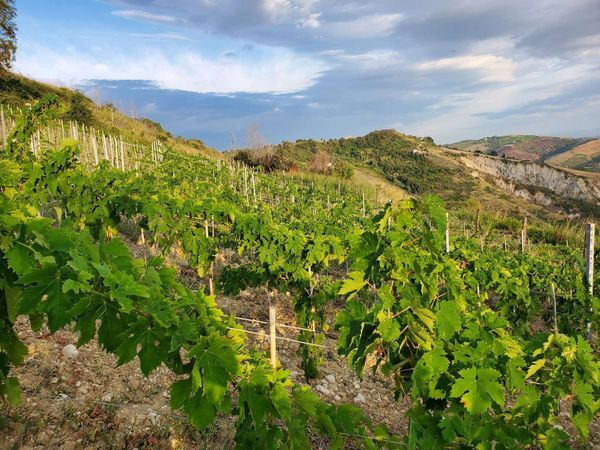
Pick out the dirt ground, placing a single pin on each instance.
(88, 402)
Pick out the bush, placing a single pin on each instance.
(267, 158)
(79, 110)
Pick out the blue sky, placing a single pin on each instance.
(324, 68)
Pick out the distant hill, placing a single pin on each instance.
(583, 157)
(521, 147)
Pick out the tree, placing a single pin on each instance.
(79, 110)
(8, 34)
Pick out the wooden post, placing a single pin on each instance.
(364, 211)
(211, 285)
(122, 155)
(253, 187)
(590, 246)
(273, 333)
(105, 146)
(110, 146)
(95, 147)
(143, 238)
(3, 125)
(447, 233)
(477, 220)
(524, 235)
(554, 301)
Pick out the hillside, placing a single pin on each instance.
(522, 147)
(18, 91)
(418, 166)
(583, 157)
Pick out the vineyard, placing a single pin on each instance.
(488, 341)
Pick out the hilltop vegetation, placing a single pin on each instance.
(19, 91)
(522, 147)
(419, 167)
(401, 159)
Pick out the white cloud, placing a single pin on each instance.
(143, 15)
(373, 59)
(162, 37)
(365, 27)
(311, 21)
(462, 114)
(280, 72)
(277, 8)
(491, 68)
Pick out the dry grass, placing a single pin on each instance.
(578, 155)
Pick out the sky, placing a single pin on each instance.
(212, 69)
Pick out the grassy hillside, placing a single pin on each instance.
(418, 167)
(401, 159)
(583, 157)
(522, 147)
(18, 91)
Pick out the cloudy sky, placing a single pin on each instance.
(326, 68)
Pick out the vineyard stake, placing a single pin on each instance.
(122, 156)
(95, 147)
(447, 234)
(3, 125)
(524, 235)
(554, 301)
(590, 245)
(273, 333)
(364, 212)
(211, 285)
(143, 238)
(477, 220)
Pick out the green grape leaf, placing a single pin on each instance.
(20, 259)
(389, 329)
(281, 401)
(478, 388)
(180, 393)
(219, 364)
(10, 391)
(150, 354)
(448, 319)
(537, 365)
(353, 284)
